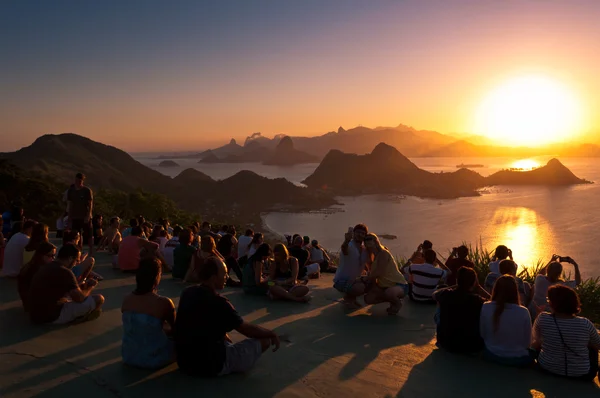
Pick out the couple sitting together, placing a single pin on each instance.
(384, 282)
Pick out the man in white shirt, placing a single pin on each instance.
(13, 252)
(353, 260)
(243, 243)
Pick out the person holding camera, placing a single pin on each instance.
(502, 253)
(457, 259)
(550, 275)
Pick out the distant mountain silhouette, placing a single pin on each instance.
(192, 178)
(168, 163)
(286, 155)
(386, 170)
(209, 157)
(62, 156)
(232, 148)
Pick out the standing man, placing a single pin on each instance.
(80, 200)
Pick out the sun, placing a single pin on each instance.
(530, 111)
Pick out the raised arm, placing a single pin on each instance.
(577, 272)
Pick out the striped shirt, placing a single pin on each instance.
(424, 279)
(570, 358)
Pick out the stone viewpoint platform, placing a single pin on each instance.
(332, 353)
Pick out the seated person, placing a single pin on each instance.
(83, 269)
(168, 251)
(568, 343)
(226, 248)
(459, 312)
(283, 277)
(147, 320)
(502, 253)
(55, 295)
(319, 255)
(457, 259)
(44, 255)
(127, 231)
(505, 325)
(204, 318)
(183, 254)
(253, 281)
(112, 237)
(39, 235)
(424, 278)
(509, 267)
(385, 283)
(550, 275)
(133, 248)
(208, 249)
(307, 267)
(15, 248)
(418, 255)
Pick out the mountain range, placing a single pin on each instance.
(410, 141)
(56, 159)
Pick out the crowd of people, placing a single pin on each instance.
(510, 321)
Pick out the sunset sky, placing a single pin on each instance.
(183, 75)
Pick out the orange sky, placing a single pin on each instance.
(188, 83)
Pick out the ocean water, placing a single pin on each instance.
(535, 222)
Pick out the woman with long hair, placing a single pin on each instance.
(39, 235)
(253, 280)
(148, 320)
(505, 325)
(283, 277)
(226, 247)
(568, 344)
(43, 255)
(208, 249)
(385, 282)
(257, 240)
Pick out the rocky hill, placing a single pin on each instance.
(553, 173)
(286, 155)
(386, 170)
(62, 156)
(168, 163)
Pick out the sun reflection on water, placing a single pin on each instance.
(525, 232)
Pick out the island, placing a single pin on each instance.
(386, 171)
(168, 163)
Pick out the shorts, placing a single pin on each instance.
(241, 357)
(344, 285)
(404, 287)
(312, 269)
(84, 228)
(72, 310)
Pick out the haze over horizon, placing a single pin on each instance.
(149, 76)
